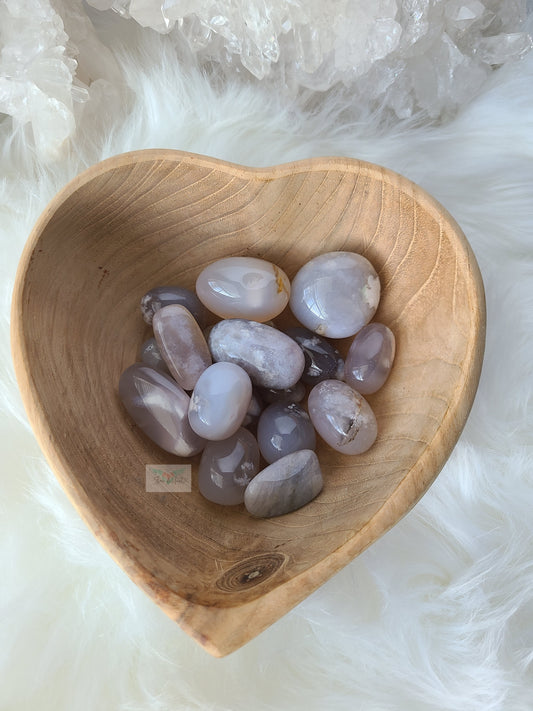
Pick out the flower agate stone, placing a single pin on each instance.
(159, 407)
(227, 467)
(243, 287)
(181, 343)
(370, 358)
(284, 486)
(219, 401)
(271, 359)
(322, 360)
(294, 394)
(151, 355)
(284, 428)
(161, 296)
(335, 294)
(342, 417)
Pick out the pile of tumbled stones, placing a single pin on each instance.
(245, 374)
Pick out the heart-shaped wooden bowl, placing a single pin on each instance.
(155, 217)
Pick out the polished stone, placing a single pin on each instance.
(219, 401)
(370, 357)
(294, 394)
(161, 296)
(322, 360)
(335, 294)
(151, 355)
(244, 287)
(284, 428)
(255, 408)
(181, 343)
(227, 467)
(271, 358)
(284, 486)
(159, 407)
(342, 417)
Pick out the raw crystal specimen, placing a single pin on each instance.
(227, 467)
(401, 56)
(284, 486)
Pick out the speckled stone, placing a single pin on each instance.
(227, 467)
(284, 428)
(244, 287)
(159, 407)
(161, 296)
(335, 294)
(322, 360)
(270, 357)
(219, 401)
(150, 354)
(284, 486)
(342, 417)
(182, 344)
(370, 357)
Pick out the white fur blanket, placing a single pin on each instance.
(436, 615)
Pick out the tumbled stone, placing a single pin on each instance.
(219, 401)
(342, 417)
(284, 428)
(294, 394)
(243, 287)
(159, 407)
(181, 343)
(227, 467)
(335, 294)
(369, 359)
(284, 486)
(322, 360)
(255, 408)
(271, 358)
(161, 296)
(151, 355)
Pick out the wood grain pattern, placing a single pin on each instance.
(156, 217)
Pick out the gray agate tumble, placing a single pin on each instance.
(159, 407)
(322, 360)
(284, 486)
(151, 355)
(284, 428)
(161, 296)
(370, 358)
(227, 467)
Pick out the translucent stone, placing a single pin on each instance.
(369, 359)
(159, 407)
(243, 287)
(255, 408)
(294, 394)
(284, 486)
(322, 360)
(150, 354)
(335, 294)
(161, 296)
(284, 428)
(227, 467)
(219, 401)
(271, 358)
(342, 417)
(181, 343)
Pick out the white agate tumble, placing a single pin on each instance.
(244, 287)
(219, 401)
(335, 294)
(342, 417)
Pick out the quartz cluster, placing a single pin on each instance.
(198, 389)
(406, 56)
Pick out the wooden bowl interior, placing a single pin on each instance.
(149, 220)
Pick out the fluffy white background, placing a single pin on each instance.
(438, 614)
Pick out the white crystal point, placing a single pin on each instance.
(335, 294)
